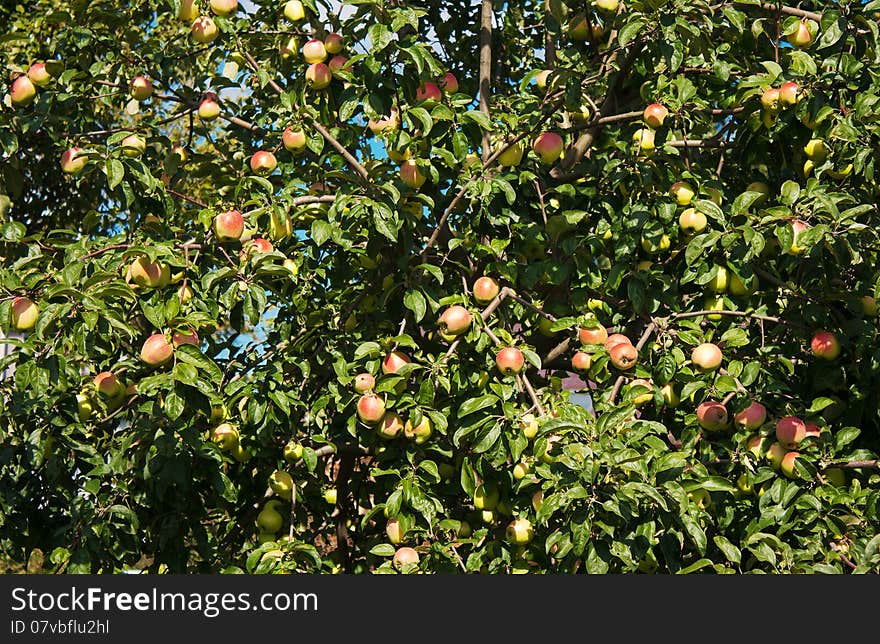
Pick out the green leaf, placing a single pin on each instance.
(476, 404)
(115, 171)
(730, 551)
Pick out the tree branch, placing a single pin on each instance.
(485, 67)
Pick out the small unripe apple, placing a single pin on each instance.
(529, 426)
(790, 431)
(712, 416)
(521, 470)
(581, 361)
(405, 558)
(739, 287)
(706, 357)
(510, 361)
(683, 192)
(224, 7)
(394, 361)
(318, 76)
(282, 484)
(209, 108)
(608, 6)
(701, 498)
(294, 10)
(520, 531)
(869, 306)
(156, 350)
(133, 145)
(330, 496)
(644, 138)
(229, 226)
(263, 163)
(654, 247)
(788, 464)
(84, 407)
(752, 417)
(204, 29)
(816, 150)
(825, 345)
(333, 43)
(141, 88)
(512, 154)
(486, 496)
(314, 51)
(370, 409)
(188, 10)
(548, 146)
(692, 221)
(39, 75)
(24, 313)
(485, 290)
(22, 92)
(775, 453)
(455, 320)
(395, 531)
(225, 436)
(450, 83)
(670, 395)
(269, 520)
(755, 445)
(364, 382)
(419, 433)
(293, 451)
(623, 356)
(802, 37)
(73, 161)
(718, 283)
(770, 101)
(541, 79)
(148, 274)
(654, 115)
(411, 175)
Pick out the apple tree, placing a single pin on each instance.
(397, 286)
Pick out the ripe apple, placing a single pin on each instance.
(263, 163)
(770, 100)
(654, 247)
(148, 274)
(654, 115)
(223, 7)
(581, 361)
(429, 92)
(188, 10)
(692, 221)
(84, 407)
(512, 155)
(455, 320)
(156, 350)
(529, 426)
(869, 306)
(318, 76)
(364, 382)
(204, 29)
(775, 453)
(486, 496)
(209, 107)
(24, 313)
(293, 451)
(390, 426)
(336, 64)
(255, 246)
(788, 93)
(797, 227)
(510, 361)
(405, 558)
(646, 397)
(386, 123)
(755, 445)
(133, 145)
(179, 338)
(269, 520)
(141, 88)
(739, 287)
(519, 531)
(39, 75)
(802, 37)
(370, 409)
(790, 431)
(752, 417)
(229, 226)
(421, 432)
(683, 192)
(701, 498)
(293, 140)
(294, 10)
(282, 484)
(411, 175)
(712, 416)
(825, 345)
(73, 161)
(333, 43)
(788, 464)
(706, 357)
(314, 51)
(623, 356)
(812, 429)
(450, 83)
(614, 339)
(330, 495)
(486, 289)
(593, 335)
(22, 91)
(548, 146)
(109, 387)
(394, 361)
(394, 530)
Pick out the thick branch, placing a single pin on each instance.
(791, 11)
(485, 66)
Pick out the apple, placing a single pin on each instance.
(608, 6)
(385, 124)
(654, 115)
(652, 247)
(282, 484)
(39, 75)
(318, 76)
(670, 395)
(692, 221)
(760, 187)
(816, 150)
(421, 432)
(364, 382)
(156, 350)
(869, 306)
(645, 139)
(802, 37)
(263, 163)
(623, 356)
(294, 10)
(449, 83)
(428, 92)
(188, 10)
(333, 43)
(835, 476)
(24, 313)
(336, 64)
(390, 426)
(788, 93)
(209, 108)
(411, 175)
(330, 496)
(797, 227)
(738, 287)
(541, 79)
(255, 246)
(528, 424)
(455, 320)
(293, 451)
(755, 445)
(140, 88)
(293, 140)
(701, 498)
(394, 530)
(510, 361)
(204, 29)
(537, 500)
(712, 416)
(521, 470)
(269, 520)
(614, 339)
(770, 100)
(486, 496)
(224, 7)
(179, 338)
(288, 48)
(775, 453)
(84, 407)
(229, 226)
(812, 429)
(148, 274)
(370, 409)
(405, 558)
(683, 192)
(219, 413)
(73, 160)
(592, 335)
(109, 387)
(394, 361)
(314, 51)
(581, 361)
(752, 417)
(718, 283)
(706, 357)
(519, 531)
(485, 290)
(825, 345)
(790, 431)
(646, 397)
(22, 92)
(548, 146)
(240, 454)
(133, 145)
(577, 28)
(512, 155)
(788, 464)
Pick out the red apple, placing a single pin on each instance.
(624, 356)
(390, 426)
(209, 108)
(788, 464)
(581, 361)
(486, 289)
(614, 339)
(179, 338)
(797, 227)
(593, 335)
(314, 51)
(428, 92)
(825, 345)
(790, 431)
(510, 361)
(788, 93)
(337, 63)
(204, 29)
(263, 163)
(370, 408)
(255, 246)
(712, 416)
(394, 361)
(752, 417)
(801, 38)
(654, 115)
(22, 92)
(706, 357)
(364, 382)
(24, 313)
(812, 429)
(548, 146)
(404, 558)
(141, 88)
(411, 175)
(333, 43)
(156, 350)
(455, 320)
(229, 226)
(450, 83)
(73, 161)
(385, 124)
(318, 76)
(293, 140)
(39, 75)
